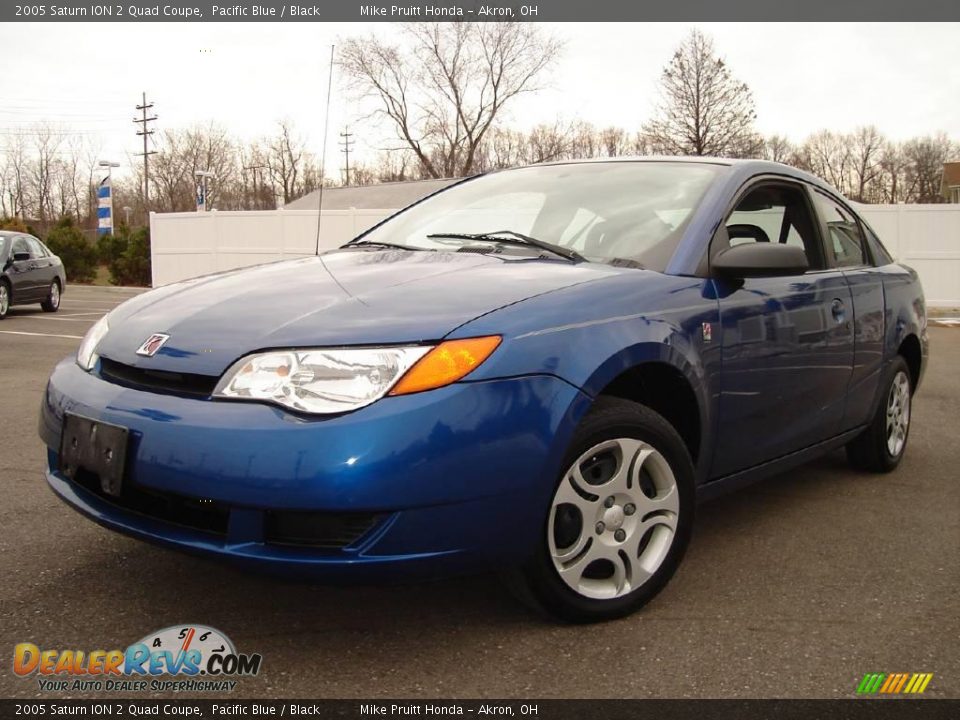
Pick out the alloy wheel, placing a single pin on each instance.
(898, 414)
(4, 299)
(613, 518)
(54, 295)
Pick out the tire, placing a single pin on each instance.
(52, 303)
(5, 299)
(880, 447)
(630, 539)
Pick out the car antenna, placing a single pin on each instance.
(323, 152)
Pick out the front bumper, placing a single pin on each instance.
(457, 478)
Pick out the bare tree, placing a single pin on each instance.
(502, 148)
(41, 171)
(16, 158)
(182, 153)
(893, 164)
(614, 141)
(924, 171)
(866, 146)
(828, 155)
(704, 109)
(285, 158)
(778, 149)
(546, 143)
(444, 88)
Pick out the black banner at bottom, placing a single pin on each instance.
(854, 709)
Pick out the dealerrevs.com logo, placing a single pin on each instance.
(180, 658)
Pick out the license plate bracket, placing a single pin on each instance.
(97, 447)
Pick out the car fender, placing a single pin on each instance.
(589, 335)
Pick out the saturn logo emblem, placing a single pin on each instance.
(152, 344)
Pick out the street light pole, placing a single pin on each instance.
(202, 194)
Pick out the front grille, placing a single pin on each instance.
(195, 513)
(317, 529)
(159, 381)
(307, 529)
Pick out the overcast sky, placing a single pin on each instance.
(903, 78)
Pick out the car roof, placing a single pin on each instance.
(743, 167)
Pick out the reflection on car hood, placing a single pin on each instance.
(347, 297)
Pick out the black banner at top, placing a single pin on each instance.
(473, 10)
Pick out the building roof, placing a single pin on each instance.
(370, 197)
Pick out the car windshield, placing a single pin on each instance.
(617, 212)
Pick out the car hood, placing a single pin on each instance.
(346, 297)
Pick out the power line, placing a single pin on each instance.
(146, 133)
(347, 144)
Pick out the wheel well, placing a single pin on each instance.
(665, 390)
(910, 350)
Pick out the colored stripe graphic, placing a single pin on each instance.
(894, 683)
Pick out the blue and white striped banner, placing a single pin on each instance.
(105, 207)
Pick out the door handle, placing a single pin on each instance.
(838, 310)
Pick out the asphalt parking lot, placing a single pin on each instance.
(792, 588)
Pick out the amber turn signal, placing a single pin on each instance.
(446, 363)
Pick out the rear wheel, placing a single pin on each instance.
(4, 299)
(880, 447)
(620, 518)
(52, 303)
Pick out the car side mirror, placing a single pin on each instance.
(21, 257)
(759, 259)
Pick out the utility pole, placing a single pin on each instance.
(347, 143)
(256, 195)
(146, 132)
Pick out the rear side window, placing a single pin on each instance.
(844, 239)
(36, 249)
(880, 254)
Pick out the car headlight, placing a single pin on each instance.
(323, 381)
(87, 352)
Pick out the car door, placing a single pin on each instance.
(22, 273)
(787, 341)
(44, 266)
(847, 250)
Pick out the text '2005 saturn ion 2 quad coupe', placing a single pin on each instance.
(537, 371)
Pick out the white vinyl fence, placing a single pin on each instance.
(184, 245)
(188, 244)
(927, 238)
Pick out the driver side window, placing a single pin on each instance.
(775, 213)
(20, 246)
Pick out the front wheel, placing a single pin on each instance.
(880, 447)
(620, 518)
(52, 303)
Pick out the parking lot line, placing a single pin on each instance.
(33, 334)
(55, 319)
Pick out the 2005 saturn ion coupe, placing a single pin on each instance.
(537, 370)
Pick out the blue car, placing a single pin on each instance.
(538, 371)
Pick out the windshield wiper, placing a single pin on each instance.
(514, 238)
(377, 243)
